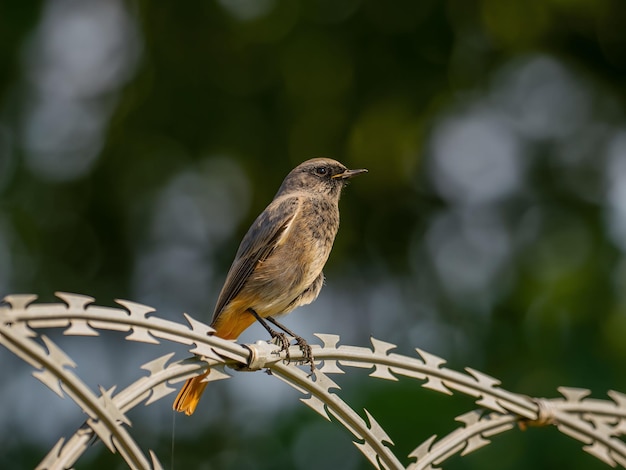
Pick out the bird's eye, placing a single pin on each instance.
(321, 170)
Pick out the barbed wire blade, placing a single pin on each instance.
(377, 429)
(316, 405)
(156, 465)
(601, 452)
(475, 441)
(58, 357)
(140, 313)
(19, 301)
(422, 450)
(75, 301)
(574, 394)
(368, 451)
(52, 457)
(329, 341)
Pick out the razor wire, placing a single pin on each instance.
(598, 424)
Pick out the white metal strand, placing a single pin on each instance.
(596, 423)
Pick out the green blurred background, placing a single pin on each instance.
(138, 140)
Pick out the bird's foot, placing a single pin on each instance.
(282, 340)
(307, 353)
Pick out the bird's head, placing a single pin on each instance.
(319, 175)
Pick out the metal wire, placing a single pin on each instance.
(598, 424)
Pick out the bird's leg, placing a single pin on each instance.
(300, 341)
(282, 337)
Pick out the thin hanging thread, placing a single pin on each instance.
(173, 438)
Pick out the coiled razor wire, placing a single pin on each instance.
(598, 424)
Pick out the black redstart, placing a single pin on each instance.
(278, 266)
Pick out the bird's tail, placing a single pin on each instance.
(190, 394)
(228, 325)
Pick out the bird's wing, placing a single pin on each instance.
(257, 245)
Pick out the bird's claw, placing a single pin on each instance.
(282, 340)
(307, 353)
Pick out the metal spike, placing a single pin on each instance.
(329, 341)
(57, 354)
(573, 394)
(217, 373)
(618, 397)
(159, 391)
(103, 433)
(351, 425)
(22, 330)
(469, 418)
(19, 301)
(198, 327)
(80, 328)
(19, 333)
(486, 380)
(430, 359)
(601, 452)
(491, 403)
(474, 440)
(381, 347)
(115, 414)
(75, 301)
(156, 465)
(369, 452)
(157, 365)
(325, 382)
(619, 459)
(377, 429)
(205, 350)
(317, 405)
(474, 443)
(330, 367)
(108, 318)
(142, 335)
(601, 422)
(449, 450)
(383, 372)
(423, 449)
(437, 385)
(52, 456)
(620, 428)
(135, 309)
(49, 380)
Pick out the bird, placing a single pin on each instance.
(279, 263)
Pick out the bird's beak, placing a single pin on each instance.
(349, 174)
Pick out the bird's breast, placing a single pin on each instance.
(314, 231)
(298, 258)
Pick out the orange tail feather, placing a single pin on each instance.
(190, 394)
(229, 325)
